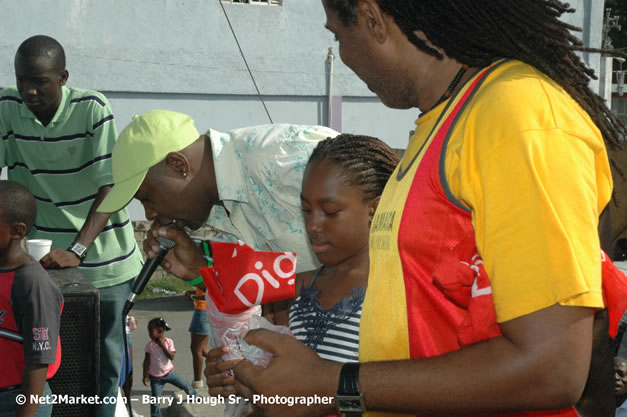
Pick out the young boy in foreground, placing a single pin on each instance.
(30, 312)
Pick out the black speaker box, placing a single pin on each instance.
(79, 372)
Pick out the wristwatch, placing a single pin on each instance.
(79, 250)
(349, 398)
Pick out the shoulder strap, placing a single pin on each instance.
(449, 125)
(315, 276)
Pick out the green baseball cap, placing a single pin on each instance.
(145, 142)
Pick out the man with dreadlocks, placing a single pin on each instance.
(508, 162)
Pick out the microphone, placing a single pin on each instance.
(147, 270)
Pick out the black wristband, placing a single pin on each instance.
(349, 398)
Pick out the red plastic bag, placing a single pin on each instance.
(463, 279)
(242, 278)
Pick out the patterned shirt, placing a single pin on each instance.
(64, 164)
(333, 333)
(259, 172)
(36, 302)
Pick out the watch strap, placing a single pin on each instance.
(349, 398)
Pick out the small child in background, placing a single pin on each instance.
(30, 311)
(199, 331)
(126, 376)
(158, 367)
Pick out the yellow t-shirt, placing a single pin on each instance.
(531, 167)
(536, 177)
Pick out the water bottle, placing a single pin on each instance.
(132, 323)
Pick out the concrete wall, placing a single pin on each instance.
(181, 55)
(182, 46)
(186, 47)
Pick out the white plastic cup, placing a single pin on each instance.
(38, 248)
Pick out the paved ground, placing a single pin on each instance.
(177, 312)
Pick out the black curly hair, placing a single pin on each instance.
(158, 323)
(17, 204)
(42, 45)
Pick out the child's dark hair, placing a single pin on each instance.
(366, 161)
(17, 204)
(158, 323)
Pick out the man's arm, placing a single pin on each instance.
(94, 223)
(541, 362)
(33, 381)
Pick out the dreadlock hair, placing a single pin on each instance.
(479, 32)
(365, 161)
(43, 46)
(17, 204)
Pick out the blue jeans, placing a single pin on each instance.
(112, 333)
(8, 404)
(200, 323)
(156, 388)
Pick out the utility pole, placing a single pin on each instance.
(605, 80)
(610, 22)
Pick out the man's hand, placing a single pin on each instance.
(59, 258)
(214, 367)
(294, 370)
(184, 260)
(191, 295)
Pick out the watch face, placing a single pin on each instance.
(79, 249)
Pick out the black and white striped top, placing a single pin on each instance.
(332, 333)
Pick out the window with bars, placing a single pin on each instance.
(260, 2)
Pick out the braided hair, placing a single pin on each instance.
(366, 162)
(479, 32)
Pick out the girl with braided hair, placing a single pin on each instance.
(342, 184)
(508, 163)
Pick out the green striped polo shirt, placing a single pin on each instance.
(64, 164)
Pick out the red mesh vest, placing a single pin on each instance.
(434, 320)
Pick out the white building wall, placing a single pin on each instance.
(181, 55)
